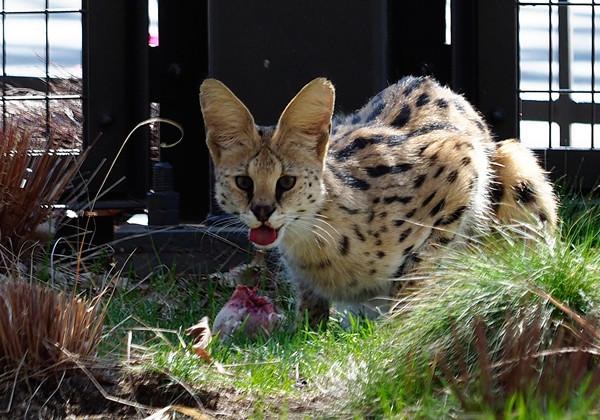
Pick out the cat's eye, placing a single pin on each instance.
(244, 182)
(286, 182)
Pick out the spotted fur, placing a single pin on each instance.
(376, 192)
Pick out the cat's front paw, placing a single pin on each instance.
(313, 310)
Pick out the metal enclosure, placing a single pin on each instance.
(115, 87)
(266, 50)
(485, 60)
(177, 67)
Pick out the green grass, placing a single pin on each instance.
(493, 312)
(508, 291)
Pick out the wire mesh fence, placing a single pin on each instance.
(41, 74)
(559, 73)
(559, 67)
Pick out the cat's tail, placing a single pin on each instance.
(520, 190)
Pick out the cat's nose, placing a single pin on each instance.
(262, 211)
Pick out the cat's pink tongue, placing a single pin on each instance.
(263, 235)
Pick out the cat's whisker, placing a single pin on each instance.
(227, 224)
(299, 236)
(219, 224)
(310, 227)
(328, 227)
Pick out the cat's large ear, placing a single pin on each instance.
(308, 118)
(229, 125)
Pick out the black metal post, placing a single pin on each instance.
(115, 75)
(485, 60)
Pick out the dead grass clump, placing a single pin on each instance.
(31, 182)
(40, 328)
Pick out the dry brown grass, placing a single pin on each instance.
(42, 329)
(31, 182)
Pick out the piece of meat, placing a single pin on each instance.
(245, 308)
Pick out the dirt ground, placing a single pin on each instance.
(119, 395)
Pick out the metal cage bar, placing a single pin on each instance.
(564, 105)
(38, 88)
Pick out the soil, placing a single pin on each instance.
(124, 395)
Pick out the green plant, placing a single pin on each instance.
(499, 319)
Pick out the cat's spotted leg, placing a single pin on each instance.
(312, 308)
